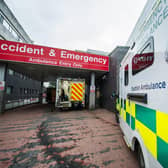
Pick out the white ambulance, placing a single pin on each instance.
(143, 95)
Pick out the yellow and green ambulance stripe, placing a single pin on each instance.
(152, 126)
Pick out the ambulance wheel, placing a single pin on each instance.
(140, 157)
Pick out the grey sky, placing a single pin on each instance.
(78, 24)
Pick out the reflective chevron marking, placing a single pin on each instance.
(77, 90)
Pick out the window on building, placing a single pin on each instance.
(9, 90)
(14, 34)
(21, 76)
(5, 23)
(16, 74)
(28, 91)
(10, 72)
(21, 91)
(126, 75)
(145, 58)
(10, 29)
(24, 77)
(25, 91)
(1, 18)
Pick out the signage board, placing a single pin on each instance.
(2, 85)
(35, 54)
(92, 88)
(141, 62)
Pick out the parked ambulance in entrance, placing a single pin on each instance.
(70, 93)
(143, 95)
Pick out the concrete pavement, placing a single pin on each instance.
(35, 137)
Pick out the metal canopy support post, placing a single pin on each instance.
(3, 69)
(57, 93)
(41, 93)
(92, 92)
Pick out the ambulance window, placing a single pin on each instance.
(144, 58)
(126, 76)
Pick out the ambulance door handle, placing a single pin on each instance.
(139, 97)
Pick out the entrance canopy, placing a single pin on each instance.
(45, 63)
